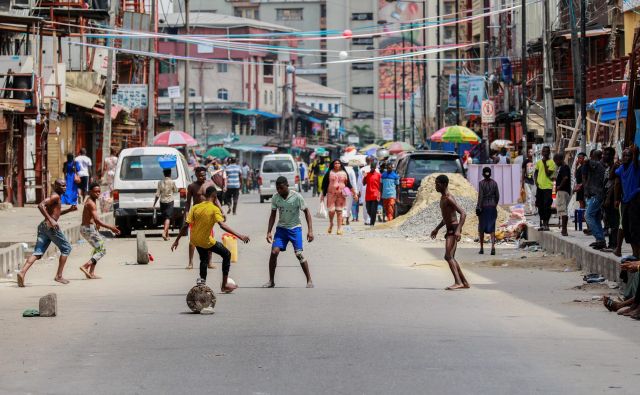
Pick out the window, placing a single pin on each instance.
(223, 67)
(330, 108)
(247, 12)
(320, 105)
(143, 167)
(271, 98)
(265, 98)
(421, 166)
(277, 166)
(323, 80)
(449, 33)
(192, 92)
(336, 109)
(167, 67)
(289, 14)
(323, 10)
(313, 105)
(362, 66)
(267, 69)
(362, 16)
(362, 41)
(163, 92)
(223, 94)
(362, 90)
(449, 9)
(363, 115)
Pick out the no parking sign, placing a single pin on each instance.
(488, 111)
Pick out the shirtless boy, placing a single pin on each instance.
(49, 231)
(450, 209)
(89, 228)
(196, 194)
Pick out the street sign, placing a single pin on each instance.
(299, 142)
(488, 111)
(387, 128)
(174, 92)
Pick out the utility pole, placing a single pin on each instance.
(203, 117)
(413, 93)
(395, 96)
(487, 36)
(186, 72)
(404, 90)
(523, 13)
(106, 124)
(426, 103)
(458, 62)
(151, 109)
(549, 108)
(438, 71)
(575, 60)
(583, 74)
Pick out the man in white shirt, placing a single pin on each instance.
(84, 172)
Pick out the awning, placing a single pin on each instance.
(591, 33)
(267, 114)
(612, 108)
(252, 148)
(255, 113)
(310, 118)
(81, 98)
(115, 110)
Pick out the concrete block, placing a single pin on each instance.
(48, 305)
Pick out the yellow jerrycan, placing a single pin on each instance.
(231, 243)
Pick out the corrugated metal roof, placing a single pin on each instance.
(209, 19)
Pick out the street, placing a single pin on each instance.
(379, 321)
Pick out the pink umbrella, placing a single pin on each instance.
(174, 138)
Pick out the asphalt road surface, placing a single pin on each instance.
(379, 321)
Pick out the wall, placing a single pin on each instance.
(631, 22)
(58, 145)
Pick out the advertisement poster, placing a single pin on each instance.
(399, 15)
(386, 124)
(131, 96)
(470, 93)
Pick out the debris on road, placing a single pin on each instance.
(48, 305)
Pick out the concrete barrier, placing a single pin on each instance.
(588, 259)
(12, 257)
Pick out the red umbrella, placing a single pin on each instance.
(174, 138)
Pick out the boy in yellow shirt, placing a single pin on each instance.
(202, 217)
(545, 169)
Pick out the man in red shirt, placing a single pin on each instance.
(373, 181)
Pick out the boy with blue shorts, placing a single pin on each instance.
(288, 204)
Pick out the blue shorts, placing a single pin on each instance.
(48, 235)
(284, 236)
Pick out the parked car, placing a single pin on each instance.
(136, 180)
(272, 167)
(414, 166)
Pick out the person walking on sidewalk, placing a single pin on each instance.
(234, 182)
(390, 182)
(544, 184)
(84, 171)
(89, 228)
(288, 204)
(49, 232)
(487, 209)
(528, 183)
(593, 177)
(335, 187)
(611, 212)
(203, 217)
(372, 181)
(563, 191)
(629, 174)
(245, 178)
(72, 179)
(579, 188)
(165, 191)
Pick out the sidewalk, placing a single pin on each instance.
(18, 226)
(576, 245)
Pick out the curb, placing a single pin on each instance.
(12, 257)
(587, 259)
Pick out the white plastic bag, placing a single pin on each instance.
(322, 211)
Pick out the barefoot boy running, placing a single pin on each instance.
(49, 232)
(89, 229)
(449, 208)
(289, 204)
(202, 217)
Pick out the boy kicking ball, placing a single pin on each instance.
(288, 204)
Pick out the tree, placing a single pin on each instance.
(364, 132)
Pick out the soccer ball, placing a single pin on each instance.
(231, 284)
(200, 297)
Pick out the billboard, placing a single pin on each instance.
(399, 16)
(469, 93)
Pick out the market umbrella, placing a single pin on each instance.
(174, 138)
(396, 147)
(371, 147)
(498, 144)
(218, 152)
(455, 134)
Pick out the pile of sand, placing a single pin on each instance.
(425, 214)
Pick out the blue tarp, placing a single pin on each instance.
(253, 113)
(609, 108)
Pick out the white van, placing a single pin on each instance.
(136, 180)
(272, 167)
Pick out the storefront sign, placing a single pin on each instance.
(468, 90)
(174, 92)
(299, 142)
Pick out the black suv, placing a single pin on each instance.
(412, 167)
